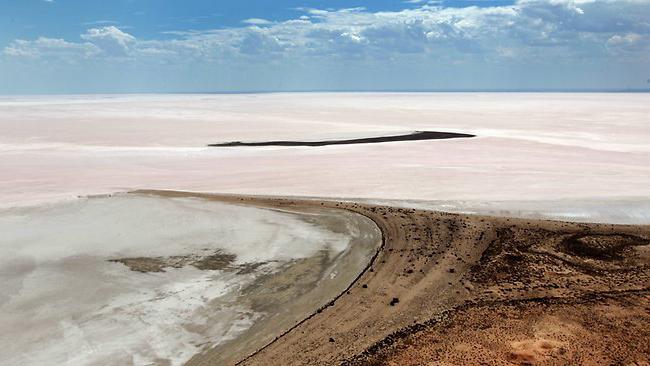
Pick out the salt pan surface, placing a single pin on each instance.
(529, 147)
(62, 302)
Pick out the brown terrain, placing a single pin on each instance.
(449, 289)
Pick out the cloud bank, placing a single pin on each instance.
(585, 36)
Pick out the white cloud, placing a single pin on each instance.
(529, 29)
(50, 47)
(257, 41)
(110, 39)
(257, 21)
(531, 43)
(630, 45)
(626, 39)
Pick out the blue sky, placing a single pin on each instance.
(79, 46)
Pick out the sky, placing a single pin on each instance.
(159, 46)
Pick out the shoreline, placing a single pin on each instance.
(629, 210)
(453, 256)
(130, 270)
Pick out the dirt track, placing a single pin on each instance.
(437, 270)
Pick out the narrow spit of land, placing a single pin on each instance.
(414, 136)
(461, 289)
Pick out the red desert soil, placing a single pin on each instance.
(595, 330)
(449, 289)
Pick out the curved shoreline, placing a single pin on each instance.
(414, 136)
(462, 259)
(330, 303)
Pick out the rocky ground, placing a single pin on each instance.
(462, 290)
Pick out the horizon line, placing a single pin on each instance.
(307, 91)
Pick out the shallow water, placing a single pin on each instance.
(65, 302)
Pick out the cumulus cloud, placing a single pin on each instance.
(110, 39)
(257, 41)
(528, 29)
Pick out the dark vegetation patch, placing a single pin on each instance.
(143, 264)
(601, 247)
(526, 256)
(507, 257)
(215, 261)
